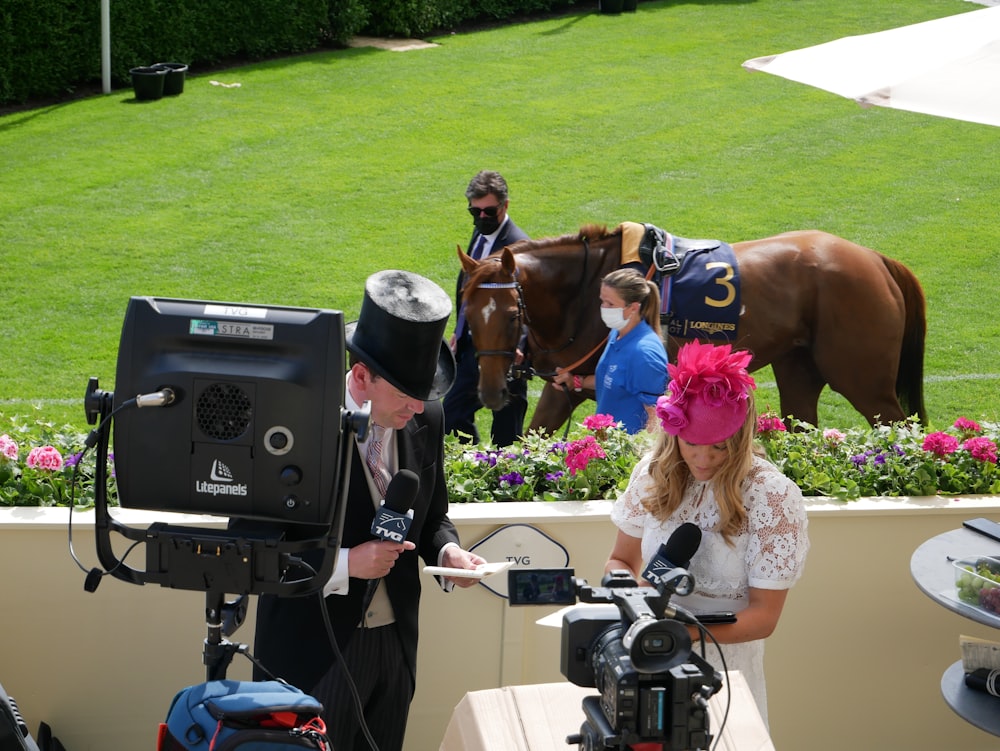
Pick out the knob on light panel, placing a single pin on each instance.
(278, 440)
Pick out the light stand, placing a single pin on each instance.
(248, 557)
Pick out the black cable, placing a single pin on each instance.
(339, 657)
(359, 710)
(89, 443)
(725, 669)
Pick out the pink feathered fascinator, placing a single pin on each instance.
(706, 401)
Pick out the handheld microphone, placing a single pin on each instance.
(667, 570)
(394, 516)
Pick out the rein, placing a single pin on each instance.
(524, 321)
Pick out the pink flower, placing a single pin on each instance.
(671, 414)
(833, 435)
(767, 423)
(940, 444)
(580, 452)
(8, 447)
(703, 367)
(967, 427)
(982, 449)
(599, 422)
(45, 457)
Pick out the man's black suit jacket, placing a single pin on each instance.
(291, 639)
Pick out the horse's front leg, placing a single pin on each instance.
(554, 408)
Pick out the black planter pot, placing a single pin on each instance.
(610, 6)
(630, 6)
(147, 82)
(174, 82)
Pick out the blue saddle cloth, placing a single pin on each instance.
(702, 300)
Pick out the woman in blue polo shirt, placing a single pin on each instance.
(632, 371)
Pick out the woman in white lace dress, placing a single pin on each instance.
(704, 470)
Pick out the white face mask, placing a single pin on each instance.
(614, 318)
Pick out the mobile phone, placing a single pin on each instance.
(709, 619)
(983, 526)
(540, 586)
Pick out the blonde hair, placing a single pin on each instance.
(634, 287)
(671, 476)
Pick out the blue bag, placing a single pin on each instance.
(243, 715)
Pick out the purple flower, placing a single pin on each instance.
(513, 478)
(554, 476)
(489, 458)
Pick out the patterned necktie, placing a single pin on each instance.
(476, 254)
(373, 458)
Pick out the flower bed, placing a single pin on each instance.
(592, 462)
(40, 463)
(901, 459)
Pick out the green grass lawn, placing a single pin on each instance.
(321, 169)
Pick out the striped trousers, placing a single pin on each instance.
(374, 661)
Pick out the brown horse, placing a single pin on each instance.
(820, 310)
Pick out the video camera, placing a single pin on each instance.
(634, 648)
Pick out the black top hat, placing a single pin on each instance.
(400, 333)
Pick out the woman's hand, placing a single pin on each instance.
(562, 380)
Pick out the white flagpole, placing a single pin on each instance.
(106, 46)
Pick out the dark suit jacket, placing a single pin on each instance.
(291, 639)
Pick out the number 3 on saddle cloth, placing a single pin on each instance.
(699, 284)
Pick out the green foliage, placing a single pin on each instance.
(902, 459)
(326, 167)
(42, 464)
(345, 19)
(591, 463)
(49, 48)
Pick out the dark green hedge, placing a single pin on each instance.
(50, 49)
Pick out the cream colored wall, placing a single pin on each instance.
(855, 664)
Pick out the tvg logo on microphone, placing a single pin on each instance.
(390, 526)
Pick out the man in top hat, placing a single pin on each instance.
(401, 365)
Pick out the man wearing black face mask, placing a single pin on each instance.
(488, 201)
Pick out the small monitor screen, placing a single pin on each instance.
(254, 426)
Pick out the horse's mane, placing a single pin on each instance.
(486, 271)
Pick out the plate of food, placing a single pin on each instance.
(977, 583)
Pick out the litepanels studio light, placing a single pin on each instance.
(253, 423)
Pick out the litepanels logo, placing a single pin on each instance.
(221, 482)
(220, 472)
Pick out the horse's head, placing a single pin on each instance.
(494, 313)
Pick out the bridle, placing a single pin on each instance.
(524, 321)
(522, 317)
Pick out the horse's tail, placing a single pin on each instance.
(910, 376)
